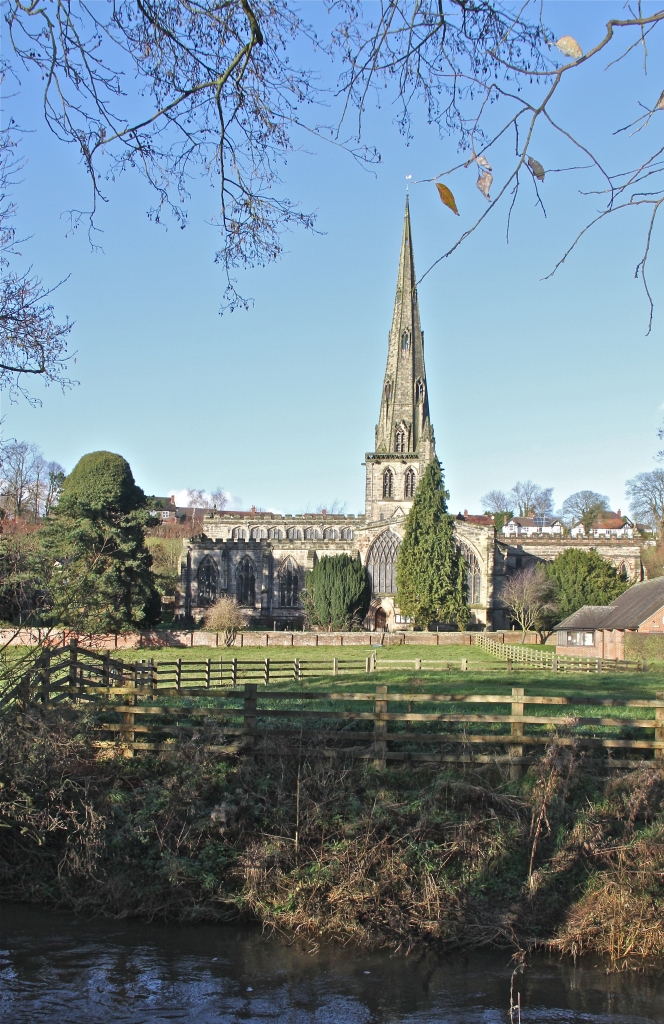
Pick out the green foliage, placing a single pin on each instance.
(431, 573)
(644, 646)
(166, 552)
(99, 575)
(337, 592)
(21, 569)
(583, 577)
(500, 518)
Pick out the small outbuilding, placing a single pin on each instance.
(599, 631)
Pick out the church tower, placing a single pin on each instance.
(404, 435)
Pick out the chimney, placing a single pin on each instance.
(618, 513)
(253, 510)
(465, 511)
(324, 512)
(172, 499)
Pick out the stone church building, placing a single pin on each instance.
(261, 558)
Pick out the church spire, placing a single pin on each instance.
(404, 438)
(404, 412)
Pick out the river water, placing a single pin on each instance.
(60, 969)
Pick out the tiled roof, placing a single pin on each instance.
(628, 611)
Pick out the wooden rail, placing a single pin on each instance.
(541, 658)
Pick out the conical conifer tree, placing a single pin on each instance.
(430, 569)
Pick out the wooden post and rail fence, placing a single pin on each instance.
(376, 724)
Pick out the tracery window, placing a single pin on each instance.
(473, 577)
(405, 341)
(388, 483)
(311, 533)
(409, 483)
(293, 534)
(246, 583)
(329, 534)
(274, 533)
(400, 440)
(257, 533)
(208, 581)
(382, 563)
(346, 534)
(388, 391)
(289, 584)
(419, 391)
(239, 533)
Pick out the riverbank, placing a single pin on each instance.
(569, 858)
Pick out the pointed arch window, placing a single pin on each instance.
(346, 534)
(405, 341)
(419, 391)
(409, 483)
(388, 484)
(330, 534)
(289, 584)
(382, 563)
(239, 533)
(208, 581)
(311, 533)
(257, 533)
(246, 583)
(473, 575)
(400, 440)
(388, 390)
(274, 533)
(294, 534)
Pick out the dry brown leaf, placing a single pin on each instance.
(536, 168)
(483, 162)
(447, 197)
(484, 184)
(569, 46)
(660, 102)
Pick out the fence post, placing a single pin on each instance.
(368, 661)
(266, 672)
(106, 668)
(207, 673)
(73, 661)
(418, 664)
(509, 664)
(659, 728)
(464, 664)
(178, 672)
(250, 707)
(45, 674)
(516, 770)
(234, 672)
(599, 665)
(154, 675)
(335, 666)
(128, 718)
(380, 726)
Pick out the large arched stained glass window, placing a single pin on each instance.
(208, 581)
(474, 575)
(246, 583)
(388, 483)
(289, 584)
(382, 563)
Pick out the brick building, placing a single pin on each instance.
(599, 632)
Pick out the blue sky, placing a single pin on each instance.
(550, 380)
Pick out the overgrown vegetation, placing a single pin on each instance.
(583, 577)
(570, 858)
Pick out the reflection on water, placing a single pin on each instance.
(57, 968)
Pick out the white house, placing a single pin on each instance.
(533, 526)
(609, 525)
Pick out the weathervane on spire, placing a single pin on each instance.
(408, 177)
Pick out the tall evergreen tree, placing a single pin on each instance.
(582, 577)
(94, 540)
(337, 593)
(431, 572)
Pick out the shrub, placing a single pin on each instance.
(225, 616)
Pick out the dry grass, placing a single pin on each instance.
(569, 858)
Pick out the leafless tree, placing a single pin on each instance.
(32, 344)
(584, 507)
(495, 501)
(198, 498)
(225, 616)
(646, 498)
(29, 486)
(172, 88)
(531, 499)
(528, 596)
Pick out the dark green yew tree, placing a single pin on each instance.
(100, 577)
(583, 577)
(431, 572)
(337, 592)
